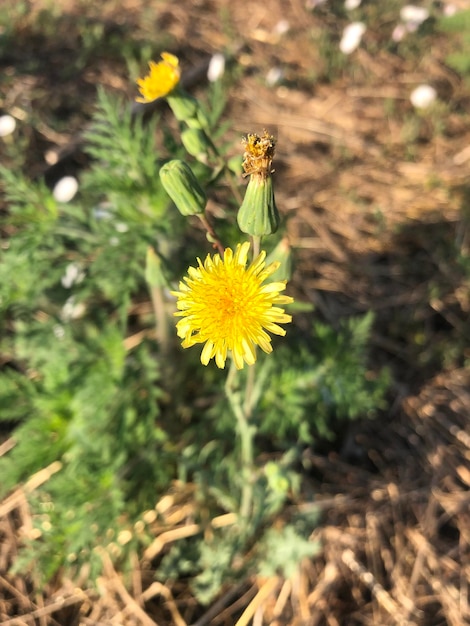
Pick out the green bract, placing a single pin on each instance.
(184, 106)
(183, 188)
(258, 214)
(196, 143)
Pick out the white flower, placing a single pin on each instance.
(65, 189)
(423, 96)
(72, 310)
(282, 27)
(399, 32)
(352, 35)
(449, 10)
(103, 211)
(413, 16)
(216, 67)
(274, 76)
(350, 5)
(7, 125)
(312, 4)
(73, 275)
(59, 331)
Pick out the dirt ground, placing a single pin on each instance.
(375, 199)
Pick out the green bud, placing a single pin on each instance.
(154, 274)
(258, 214)
(196, 143)
(202, 118)
(184, 106)
(183, 187)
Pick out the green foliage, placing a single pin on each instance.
(322, 380)
(85, 383)
(77, 394)
(283, 551)
(303, 390)
(222, 558)
(125, 149)
(458, 27)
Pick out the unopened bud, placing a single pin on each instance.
(196, 143)
(184, 106)
(258, 214)
(183, 187)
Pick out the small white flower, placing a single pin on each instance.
(216, 68)
(399, 32)
(282, 27)
(449, 10)
(73, 275)
(423, 96)
(72, 310)
(312, 4)
(352, 35)
(121, 227)
(274, 76)
(65, 189)
(350, 5)
(59, 331)
(413, 16)
(102, 211)
(7, 125)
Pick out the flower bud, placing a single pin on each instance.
(258, 214)
(184, 106)
(183, 187)
(202, 120)
(196, 143)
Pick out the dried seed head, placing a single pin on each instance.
(259, 154)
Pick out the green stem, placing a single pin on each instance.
(212, 237)
(233, 186)
(250, 384)
(229, 176)
(256, 245)
(245, 433)
(161, 326)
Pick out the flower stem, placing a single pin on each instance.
(161, 322)
(256, 245)
(233, 186)
(245, 433)
(211, 234)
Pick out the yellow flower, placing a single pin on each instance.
(161, 80)
(225, 305)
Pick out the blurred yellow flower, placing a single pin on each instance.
(225, 305)
(161, 80)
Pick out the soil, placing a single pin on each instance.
(374, 195)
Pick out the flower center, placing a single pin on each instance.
(229, 305)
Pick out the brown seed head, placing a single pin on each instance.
(259, 153)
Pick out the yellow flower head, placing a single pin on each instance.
(225, 305)
(161, 80)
